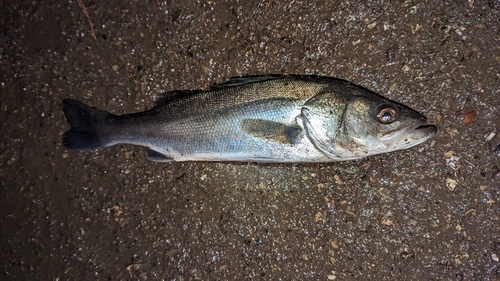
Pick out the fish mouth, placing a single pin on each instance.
(415, 135)
(422, 133)
(411, 136)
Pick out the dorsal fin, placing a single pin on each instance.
(244, 80)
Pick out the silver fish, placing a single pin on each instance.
(274, 119)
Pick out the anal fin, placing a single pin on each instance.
(270, 130)
(156, 156)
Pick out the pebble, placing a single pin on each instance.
(496, 151)
(337, 179)
(318, 217)
(489, 136)
(469, 115)
(451, 184)
(387, 222)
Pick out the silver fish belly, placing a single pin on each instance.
(275, 119)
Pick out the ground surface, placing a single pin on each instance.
(427, 213)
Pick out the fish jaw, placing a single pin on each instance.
(412, 136)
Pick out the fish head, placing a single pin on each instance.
(362, 124)
(374, 125)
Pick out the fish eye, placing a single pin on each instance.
(386, 114)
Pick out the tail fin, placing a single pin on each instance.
(85, 122)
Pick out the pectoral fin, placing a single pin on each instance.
(156, 156)
(270, 130)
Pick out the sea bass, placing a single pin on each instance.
(273, 119)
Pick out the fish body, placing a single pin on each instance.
(274, 119)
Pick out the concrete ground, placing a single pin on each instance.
(428, 213)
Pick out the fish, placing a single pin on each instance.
(269, 119)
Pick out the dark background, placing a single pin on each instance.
(111, 215)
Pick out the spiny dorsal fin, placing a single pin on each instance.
(239, 81)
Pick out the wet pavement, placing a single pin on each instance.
(428, 213)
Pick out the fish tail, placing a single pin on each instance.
(86, 123)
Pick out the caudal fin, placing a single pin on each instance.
(86, 126)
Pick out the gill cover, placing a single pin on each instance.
(323, 116)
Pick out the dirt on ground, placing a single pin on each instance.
(431, 212)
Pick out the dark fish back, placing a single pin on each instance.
(239, 91)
